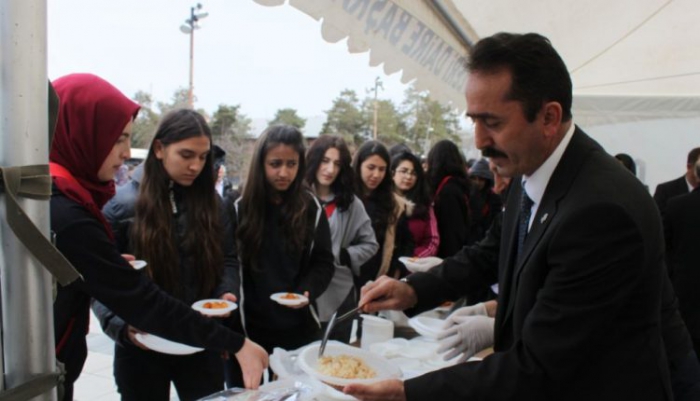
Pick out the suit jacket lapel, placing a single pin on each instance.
(508, 252)
(558, 186)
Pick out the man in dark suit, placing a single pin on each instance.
(681, 185)
(682, 234)
(580, 258)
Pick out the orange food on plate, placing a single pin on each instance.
(289, 295)
(215, 305)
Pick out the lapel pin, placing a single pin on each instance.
(544, 218)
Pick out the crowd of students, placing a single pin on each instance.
(316, 222)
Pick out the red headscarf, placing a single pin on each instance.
(91, 118)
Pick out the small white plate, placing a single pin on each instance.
(164, 346)
(280, 298)
(428, 327)
(204, 307)
(419, 265)
(138, 264)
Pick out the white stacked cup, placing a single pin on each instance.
(376, 330)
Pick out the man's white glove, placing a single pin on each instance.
(473, 310)
(465, 335)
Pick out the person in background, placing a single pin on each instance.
(386, 210)
(223, 185)
(682, 235)
(681, 185)
(171, 217)
(399, 148)
(83, 162)
(410, 183)
(627, 161)
(447, 175)
(330, 176)
(122, 176)
(485, 205)
(581, 271)
(284, 243)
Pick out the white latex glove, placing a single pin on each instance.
(469, 335)
(473, 310)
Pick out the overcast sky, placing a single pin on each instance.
(263, 58)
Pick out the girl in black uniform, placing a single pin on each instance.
(284, 243)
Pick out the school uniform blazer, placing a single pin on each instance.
(578, 315)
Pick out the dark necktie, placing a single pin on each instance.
(525, 212)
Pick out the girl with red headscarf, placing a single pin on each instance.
(90, 144)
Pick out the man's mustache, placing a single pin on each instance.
(492, 152)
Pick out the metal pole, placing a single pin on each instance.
(377, 85)
(375, 114)
(190, 94)
(27, 313)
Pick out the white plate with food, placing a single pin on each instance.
(138, 264)
(419, 265)
(289, 298)
(429, 327)
(342, 364)
(214, 307)
(164, 346)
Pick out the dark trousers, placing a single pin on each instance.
(146, 375)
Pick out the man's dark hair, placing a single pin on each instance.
(539, 75)
(693, 155)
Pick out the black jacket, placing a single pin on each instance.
(682, 234)
(108, 278)
(578, 315)
(453, 217)
(670, 189)
(281, 271)
(120, 211)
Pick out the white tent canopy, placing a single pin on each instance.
(634, 63)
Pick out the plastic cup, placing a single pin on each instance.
(375, 330)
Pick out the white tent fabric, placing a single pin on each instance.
(622, 47)
(403, 35)
(635, 64)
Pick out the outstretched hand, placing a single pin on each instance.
(253, 360)
(387, 294)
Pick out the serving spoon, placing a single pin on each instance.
(331, 325)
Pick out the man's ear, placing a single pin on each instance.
(552, 115)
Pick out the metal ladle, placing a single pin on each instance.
(331, 324)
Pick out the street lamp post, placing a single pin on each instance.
(377, 85)
(188, 28)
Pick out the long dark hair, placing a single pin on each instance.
(342, 187)
(258, 193)
(419, 194)
(382, 196)
(445, 159)
(153, 234)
